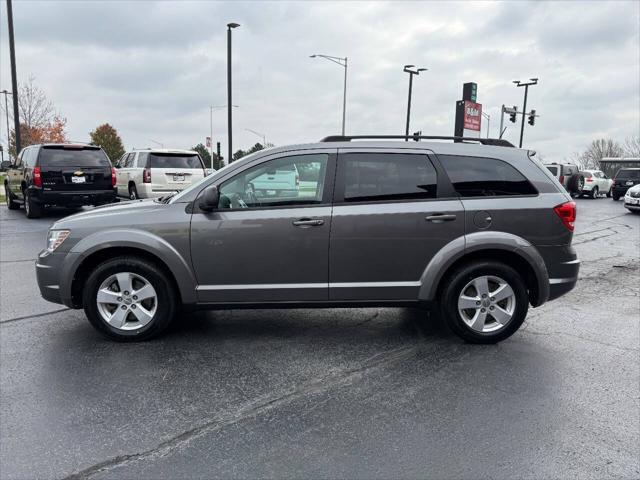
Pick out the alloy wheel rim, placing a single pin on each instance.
(26, 202)
(127, 301)
(486, 304)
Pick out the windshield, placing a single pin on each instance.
(174, 160)
(66, 157)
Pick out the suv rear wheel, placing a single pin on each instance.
(133, 192)
(129, 299)
(485, 302)
(32, 208)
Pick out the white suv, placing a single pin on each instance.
(158, 172)
(596, 183)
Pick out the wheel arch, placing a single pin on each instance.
(95, 249)
(496, 246)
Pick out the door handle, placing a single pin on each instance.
(440, 217)
(308, 222)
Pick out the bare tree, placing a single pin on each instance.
(599, 149)
(36, 110)
(632, 147)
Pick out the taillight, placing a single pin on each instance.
(37, 177)
(113, 177)
(146, 175)
(567, 213)
(589, 180)
(562, 179)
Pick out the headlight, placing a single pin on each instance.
(55, 239)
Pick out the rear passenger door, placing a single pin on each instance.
(392, 213)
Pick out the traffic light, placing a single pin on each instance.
(512, 117)
(532, 117)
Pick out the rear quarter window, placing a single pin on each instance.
(485, 177)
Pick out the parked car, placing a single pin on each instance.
(157, 172)
(595, 183)
(624, 179)
(480, 230)
(282, 180)
(61, 174)
(632, 199)
(569, 177)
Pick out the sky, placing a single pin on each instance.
(152, 69)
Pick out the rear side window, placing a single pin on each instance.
(143, 158)
(553, 170)
(388, 176)
(174, 160)
(482, 177)
(627, 173)
(72, 157)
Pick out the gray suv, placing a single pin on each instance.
(480, 229)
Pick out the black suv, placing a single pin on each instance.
(624, 180)
(68, 175)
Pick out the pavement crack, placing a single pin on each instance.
(253, 409)
(590, 340)
(27, 317)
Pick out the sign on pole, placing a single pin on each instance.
(208, 142)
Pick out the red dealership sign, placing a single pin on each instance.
(472, 115)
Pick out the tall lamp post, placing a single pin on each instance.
(533, 81)
(261, 135)
(343, 63)
(488, 117)
(411, 70)
(6, 110)
(211, 109)
(230, 26)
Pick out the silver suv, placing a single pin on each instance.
(482, 230)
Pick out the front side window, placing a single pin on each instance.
(387, 176)
(295, 180)
(484, 177)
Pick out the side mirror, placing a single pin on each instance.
(6, 164)
(209, 199)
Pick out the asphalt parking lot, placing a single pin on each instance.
(365, 393)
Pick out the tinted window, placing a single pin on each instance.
(627, 173)
(295, 180)
(174, 160)
(388, 176)
(553, 170)
(143, 158)
(67, 157)
(478, 177)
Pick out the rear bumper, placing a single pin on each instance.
(152, 190)
(619, 191)
(563, 266)
(81, 197)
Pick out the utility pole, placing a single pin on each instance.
(534, 81)
(342, 61)
(6, 111)
(501, 120)
(411, 70)
(229, 102)
(488, 117)
(14, 78)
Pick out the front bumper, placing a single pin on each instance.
(48, 274)
(635, 206)
(73, 198)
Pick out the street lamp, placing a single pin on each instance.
(343, 63)
(230, 26)
(488, 117)
(533, 81)
(211, 109)
(261, 135)
(411, 70)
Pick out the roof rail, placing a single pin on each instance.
(499, 142)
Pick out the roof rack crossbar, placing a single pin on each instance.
(484, 141)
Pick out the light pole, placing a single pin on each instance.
(533, 81)
(6, 110)
(488, 117)
(211, 109)
(261, 135)
(343, 63)
(230, 26)
(411, 70)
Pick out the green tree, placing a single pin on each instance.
(206, 156)
(107, 137)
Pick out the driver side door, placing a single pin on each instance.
(265, 245)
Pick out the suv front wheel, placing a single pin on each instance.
(484, 302)
(129, 299)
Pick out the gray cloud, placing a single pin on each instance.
(152, 68)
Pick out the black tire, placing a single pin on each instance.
(457, 280)
(11, 204)
(133, 192)
(167, 301)
(609, 194)
(594, 193)
(575, 184)
(32, 208)
(615, 197)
